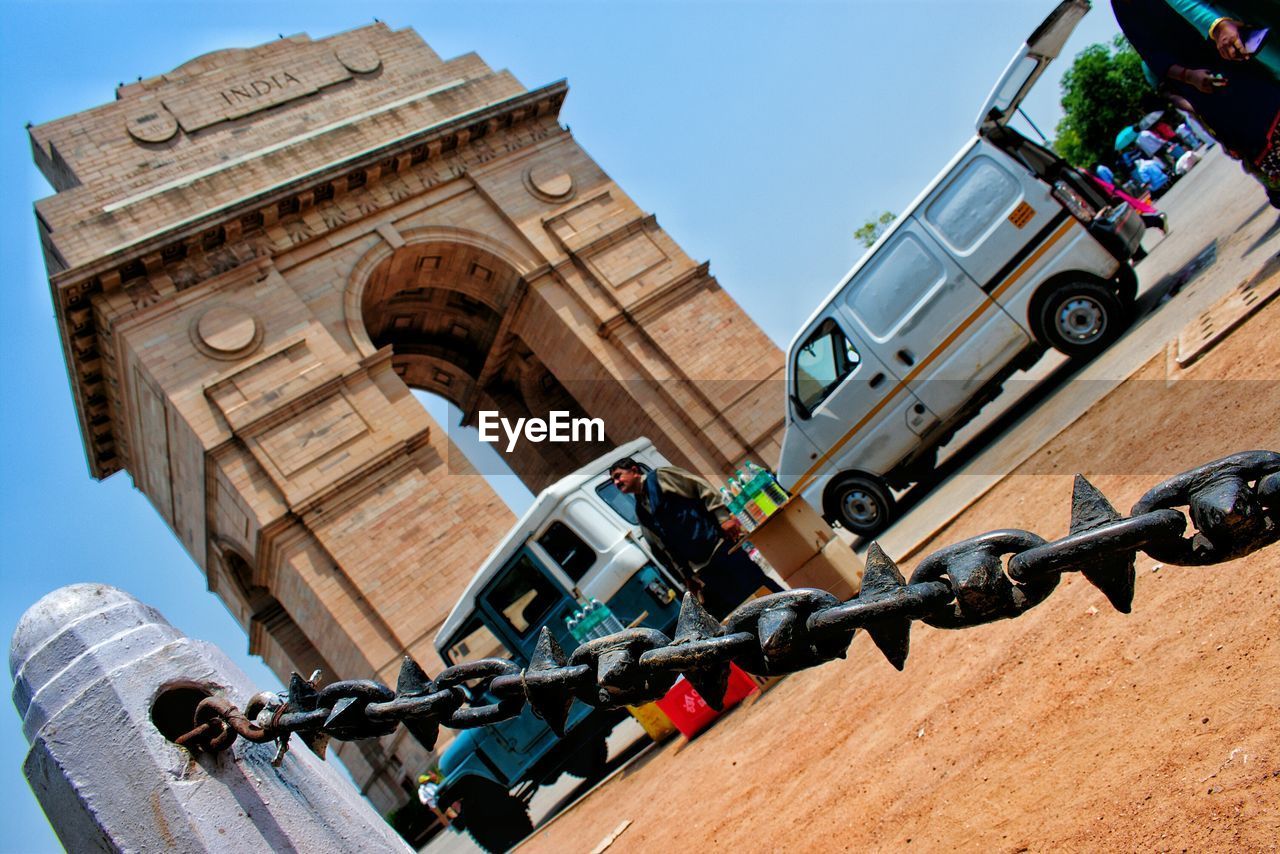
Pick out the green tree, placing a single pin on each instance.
(1102, 92)
(870, 230)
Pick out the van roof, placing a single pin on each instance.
(541, 509)
(906, 214)
(1043, 45)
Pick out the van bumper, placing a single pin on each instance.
(1119, 229)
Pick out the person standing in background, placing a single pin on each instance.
(1238, 102)
(428, 796)
(1150, 144)
(684, 518)
(1149, 171)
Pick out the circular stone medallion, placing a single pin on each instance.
(154, 124)
(550, 182)
(227, 331)
(359, 58)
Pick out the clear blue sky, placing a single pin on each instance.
(760, 133)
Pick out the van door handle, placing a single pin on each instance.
(875, 381)
(906, 357)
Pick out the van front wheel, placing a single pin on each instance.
(1080, 319)
(862, 504)
(589, 760)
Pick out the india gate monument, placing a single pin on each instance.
(256, 256)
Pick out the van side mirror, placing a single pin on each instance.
(800, 408)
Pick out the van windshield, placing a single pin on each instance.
(524, 596)
(474, 640)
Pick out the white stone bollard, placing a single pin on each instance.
(97, 676)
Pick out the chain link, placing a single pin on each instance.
(1234, 506)
(1230, 519)
(983, 590)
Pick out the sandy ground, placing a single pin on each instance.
(1071, 728)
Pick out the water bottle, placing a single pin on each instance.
(735, 507)
(590, 621)
(755, 555)
(768, 483)
(750, 507)
(751, 486)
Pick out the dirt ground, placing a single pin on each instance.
(1072, 727)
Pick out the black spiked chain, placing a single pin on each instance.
(1233, 504)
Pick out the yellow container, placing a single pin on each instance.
(655, 722)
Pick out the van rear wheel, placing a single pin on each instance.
(495, 819)
(862, 504)
(1080, 319)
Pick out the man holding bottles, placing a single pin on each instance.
(685, 520)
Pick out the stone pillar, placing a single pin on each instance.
(103, 683)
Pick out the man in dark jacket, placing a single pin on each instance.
(684, 519)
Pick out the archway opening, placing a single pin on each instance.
(482, 455)
(447, 311)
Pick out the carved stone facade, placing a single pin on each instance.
(255, 256)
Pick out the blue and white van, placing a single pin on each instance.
(579, 541)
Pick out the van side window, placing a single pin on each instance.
(903, 277)
(568, 550)
(977, 199)
(624, 505)
(824, 360)
(524, 596)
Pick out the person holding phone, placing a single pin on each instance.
(1240, 30)
(1238, 102)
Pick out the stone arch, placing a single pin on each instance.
(440, 306)
(444, 301)
(332, 485)
(361, 273)
(246, 590)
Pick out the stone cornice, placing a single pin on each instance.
(215, 241)
(434, 142)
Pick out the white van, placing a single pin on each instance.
(1006, 252)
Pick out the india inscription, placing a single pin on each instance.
(244, 318)
(256, 83)
(257, 90)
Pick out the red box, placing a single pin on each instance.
(691, 714)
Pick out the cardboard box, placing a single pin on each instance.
(791, 536)
(805, 552)
(835, 569)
